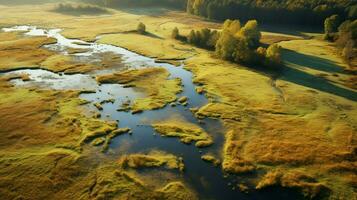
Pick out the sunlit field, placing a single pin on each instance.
(178, 99)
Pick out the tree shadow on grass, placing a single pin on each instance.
(312, 62)
(147, 11)
(294, 30)
(299, 77)
(290, 73)
(293, 75)
(148, 34)
(153, 35)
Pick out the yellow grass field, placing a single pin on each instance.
(297, 130)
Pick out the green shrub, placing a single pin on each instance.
(141, 28)
(331, 27)
(251, 33)
(175, 33)
(273, 56)
(204, 38)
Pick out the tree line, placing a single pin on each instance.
(83, 9)
(303, 12)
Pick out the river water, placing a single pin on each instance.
(206, 179)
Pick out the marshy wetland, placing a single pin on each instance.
(101, 112)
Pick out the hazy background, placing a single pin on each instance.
(17, 2)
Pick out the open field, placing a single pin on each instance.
(296, 129)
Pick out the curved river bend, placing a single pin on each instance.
(207, 180)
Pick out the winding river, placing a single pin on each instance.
(207, 180)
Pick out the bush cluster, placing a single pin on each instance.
(141, 28)
(236, 43)
(204, 38)
(79, 8)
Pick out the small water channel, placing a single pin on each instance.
(207, 180)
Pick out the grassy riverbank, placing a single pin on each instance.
(296, 129)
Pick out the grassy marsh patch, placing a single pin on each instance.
(62, 174)
(153, 82)
(152, 159)
(62, 63)
(211, 159)
(186, 131)
(294, 179)
(177, 190)
(18, 51)
(76, 50)
(51, 157)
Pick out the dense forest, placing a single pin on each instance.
(303, 12)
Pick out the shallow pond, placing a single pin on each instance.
(207, 180)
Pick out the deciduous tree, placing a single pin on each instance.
(226, 46)
(141, 28)
(251, 33)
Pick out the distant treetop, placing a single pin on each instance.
(304, 12)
